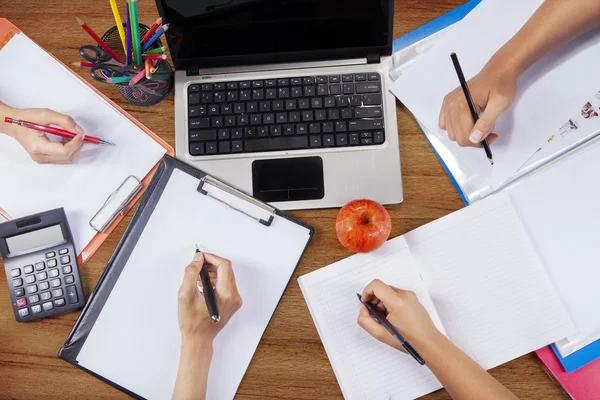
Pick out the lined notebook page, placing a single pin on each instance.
(488, 284)
(364, 367)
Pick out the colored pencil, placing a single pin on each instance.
(157, 50)
(470, 103)
(115, 10)
(136, 32)
(128, 43)
(55, 131)
(98, 40)
(137, 78)
(151, 30)
(83, 64)
(154, 56)
(148, 65)
(118, 79)
(155, 37)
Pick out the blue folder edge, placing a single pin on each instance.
(424, 31)
(590, 352)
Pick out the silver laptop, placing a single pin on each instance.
(287, 100)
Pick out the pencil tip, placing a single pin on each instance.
(79, 20)
(491, 161)
(197, 249)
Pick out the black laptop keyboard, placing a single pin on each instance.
(285, 114)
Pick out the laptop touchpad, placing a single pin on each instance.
(288, 179)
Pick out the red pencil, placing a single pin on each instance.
(98, 40)
(151, 30)
(55, 131)
(83, 64)
(154, 56)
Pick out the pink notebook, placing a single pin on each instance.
(582, 384)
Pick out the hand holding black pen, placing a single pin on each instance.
(209, 292)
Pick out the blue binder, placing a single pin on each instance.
(591, 351)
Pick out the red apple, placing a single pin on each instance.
(363, 225)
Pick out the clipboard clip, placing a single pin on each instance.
(120, 209)
(241, 195)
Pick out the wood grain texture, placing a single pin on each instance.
(290, 362)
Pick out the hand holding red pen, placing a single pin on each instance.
(37, 144)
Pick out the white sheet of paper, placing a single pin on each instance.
(364, 367)
(488, 284)
(548, 91)
(482, 274)
(135, 340)
(29, 77)
(559, 207)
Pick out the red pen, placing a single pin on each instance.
(56, 131)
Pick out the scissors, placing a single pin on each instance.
(97, 55)
(101, 72)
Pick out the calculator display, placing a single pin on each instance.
(41, 238)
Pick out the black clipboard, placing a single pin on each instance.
(118, 260)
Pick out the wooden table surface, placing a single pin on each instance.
(290, 362)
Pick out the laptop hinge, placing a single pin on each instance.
(193, 70)
(373, 59)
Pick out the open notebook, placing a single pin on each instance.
(478, 276)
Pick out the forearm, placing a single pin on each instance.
(194, 364)
(555, 23)
(462, 377)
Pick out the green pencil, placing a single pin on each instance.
(135, 26)
(158, 50)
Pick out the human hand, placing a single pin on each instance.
(37, 144)
(403, 310)
(194, 322)
(493, 91)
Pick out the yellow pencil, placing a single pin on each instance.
(115, 10)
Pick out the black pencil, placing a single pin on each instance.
(209, 292)
(471, 103)
(383, 321)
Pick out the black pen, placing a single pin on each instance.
(471, 103)
(383, 321)
(209, 292)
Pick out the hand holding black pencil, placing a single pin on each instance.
(470, 102)
(383, 321)
(209, 292)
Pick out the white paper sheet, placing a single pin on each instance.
(559, 207)
(484, 278)
(364, 367)
(488, 284)
(548, 91)
(29, 77)
(135, 340)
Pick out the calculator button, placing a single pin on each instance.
(44, 286)
(67, 269)
(15, 272)
(19, 292)
(55, 282)
(53, 273)
(72, 294)
(41, 276)
(34, 298)
(30, 279)
(57, 292)
(52, 263)
(46, 296)
(32, 289)
(50, 254)
(40, 266)
(69, 279)
(22, 302)
(65, 260)
(59, 302)
(28, 269)
(36, 309)
(63, 251)
(17, 282)
(48, 306)
(23, 312)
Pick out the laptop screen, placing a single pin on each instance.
(208, 33)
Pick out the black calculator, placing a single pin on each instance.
(41, 265)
